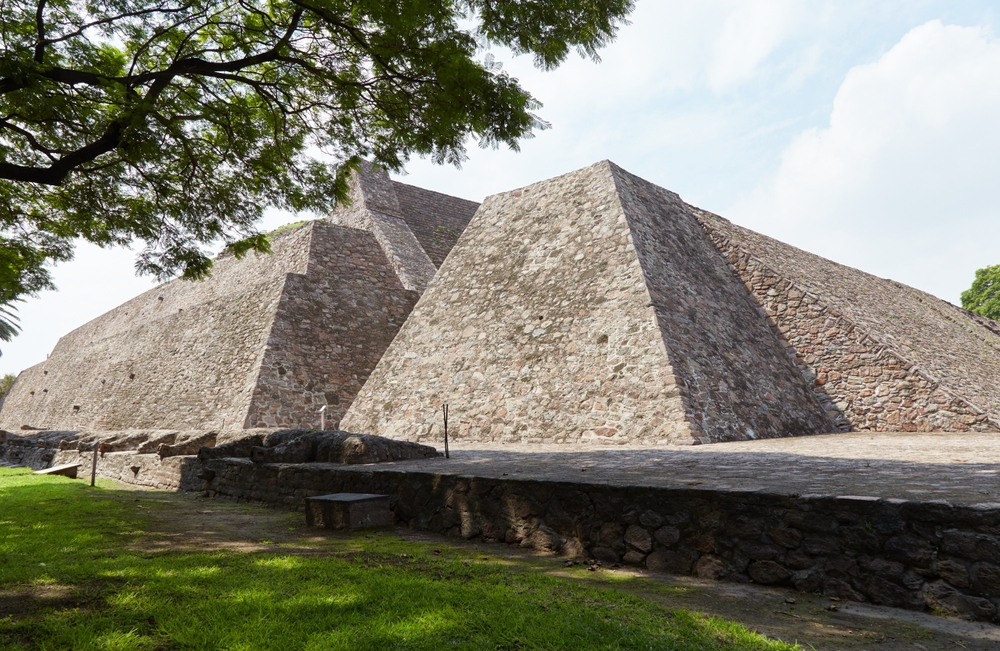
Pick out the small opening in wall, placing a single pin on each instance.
(32, 393)
(76, 407)
(45, 372)
(131, 376)
(159, 298)
(603, 339)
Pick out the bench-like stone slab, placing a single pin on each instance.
(66, 470)
(348, 511)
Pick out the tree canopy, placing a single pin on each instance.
(983, 297)
(177, 122)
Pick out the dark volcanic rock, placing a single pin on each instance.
(304, 446)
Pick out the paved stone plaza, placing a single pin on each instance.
(961, 468)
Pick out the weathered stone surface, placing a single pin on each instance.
(985, 578)
(639, 538)
(306, 446)
(786, 537)
(879, 355)
(711, 567)
(668, 536)
(672, 561)
(768, 572)
(534, 353)
(841, 590)
(348, 511)
(943, 597)
(953, 572)
(908, 549)
(265, 341)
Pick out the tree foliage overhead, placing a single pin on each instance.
(983, 297)
(177, 122)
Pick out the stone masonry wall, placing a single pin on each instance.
(734, 376)
(330, 329)
(437, 220)
(375, 208)
(569, 313)
(527, 331)
(902, 553)
(858, 375)
(893, 552)
(183, 354)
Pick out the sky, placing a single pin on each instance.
(865, 132)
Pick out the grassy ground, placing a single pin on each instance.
(81, 569)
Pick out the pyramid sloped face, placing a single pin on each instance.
(880, 355)
(548, 323)
(183, 354)
(330, 328)
(265, 341)
(437, 220)
(737, 379)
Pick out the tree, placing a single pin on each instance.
(9, 327)
(177, 122)
(983, 297)
(6, 382)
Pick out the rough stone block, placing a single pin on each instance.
(65, 470)
(348, 511)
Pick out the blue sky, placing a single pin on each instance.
(866, 132)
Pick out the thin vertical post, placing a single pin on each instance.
(444, 408)
(93, 467)
(322, 418)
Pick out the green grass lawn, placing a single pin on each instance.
(78, 571)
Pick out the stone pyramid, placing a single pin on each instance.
(265, 341)
(590, 307)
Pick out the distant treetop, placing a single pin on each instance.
(983, 297)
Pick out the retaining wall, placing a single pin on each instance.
(900, 553)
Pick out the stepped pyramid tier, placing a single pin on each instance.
(265, 341)
(598, 307)
(411, 224)
(590, 307)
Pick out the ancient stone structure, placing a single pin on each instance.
(598, 307)
(266, 341)
(594, 307)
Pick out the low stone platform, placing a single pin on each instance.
(904, 520)
(958, 468)
(907, 520)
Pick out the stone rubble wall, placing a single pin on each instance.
(885, 551)
(894, 552)
(330, 328)
(591, 307)
(863, 383)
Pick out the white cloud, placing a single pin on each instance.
(902, 181)
(749, 34)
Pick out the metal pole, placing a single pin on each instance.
(322, 418)
(93, 467)
(444, 408)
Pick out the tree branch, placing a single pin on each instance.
(40, 28)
